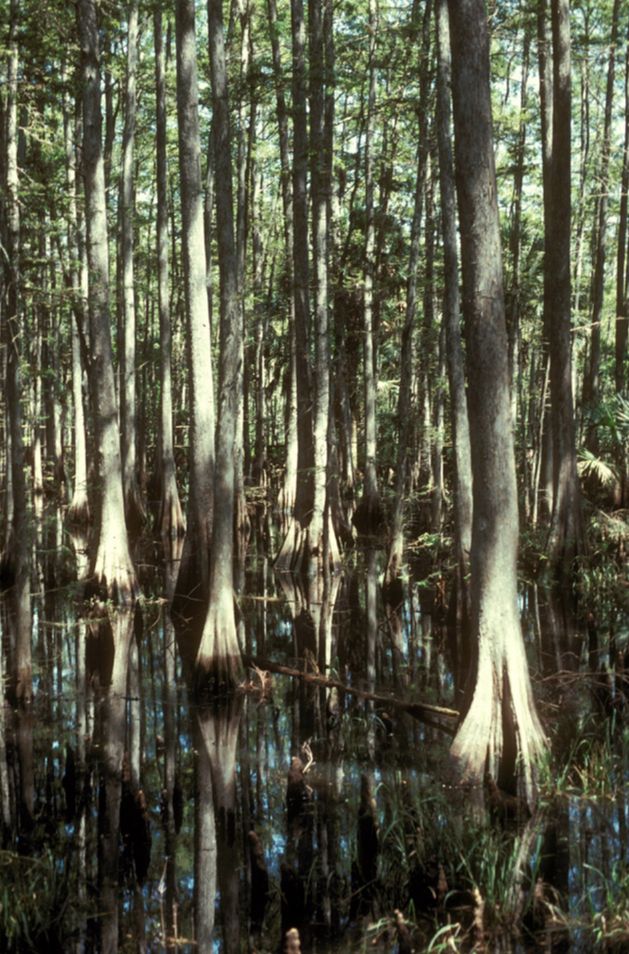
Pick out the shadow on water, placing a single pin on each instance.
(299, 816)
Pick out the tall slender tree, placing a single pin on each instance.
(134, 507)
(171, 522)
(561, 26)
(111, 569)
(218, 658)
(194, 571)
(452, 314)
(369, 515)
(501, 732)
(17, 552)
(565, 529)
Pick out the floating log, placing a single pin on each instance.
(420, 710)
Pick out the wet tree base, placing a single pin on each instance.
(369, 518)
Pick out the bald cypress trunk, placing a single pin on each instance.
(402, 479)
(565, 526)
(17, 552)
(561, 35)
(134, 507)
(622, 303)
(111, 568)
(194, 573)
(289, 489)
(501, 732)
(369, 516)
(218, 658)
(452, 317)
(111, 565)
(320, 188)
(171, 522)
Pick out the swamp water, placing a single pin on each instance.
(321, 810)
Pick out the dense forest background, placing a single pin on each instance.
(306, 281)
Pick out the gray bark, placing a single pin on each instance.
(194, 571)
(111, 566)
(171, 522)
(134, 508)
(218, 659)
(289, 489)
(452, 311)
(565, 529)
(305, 461)
(320, 184)
(501, 729)
(561, 34)
(622, 303)
(368, 516)
(402, 479)
(17, 553)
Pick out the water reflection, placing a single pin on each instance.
(295, 814)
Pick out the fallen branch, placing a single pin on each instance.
(420, 710)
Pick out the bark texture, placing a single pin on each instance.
(111, 566)
(501, 728)
(218, 660)
(171, 522)
(565, 529)
(194, 572)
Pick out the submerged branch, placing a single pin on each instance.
(420, 710)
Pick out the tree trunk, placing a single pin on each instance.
(565, 525)
(171, 522)
(501, 731)
(561, 35)
(452, 316)
(289, 489)
(402, 481)
(78, 514)
(134, 508)
(320, 187)
(17, 553)
(194, 573)
(369, 515)
(622, 303)
(111, 566)
(218, 662)
(515, 231)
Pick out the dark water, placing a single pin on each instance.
(373, 826)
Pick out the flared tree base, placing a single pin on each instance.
(218, 666)
(78, 515)
(501, 734)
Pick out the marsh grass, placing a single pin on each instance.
(38, 904)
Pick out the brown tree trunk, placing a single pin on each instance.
(565, 527)
(561, 34)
